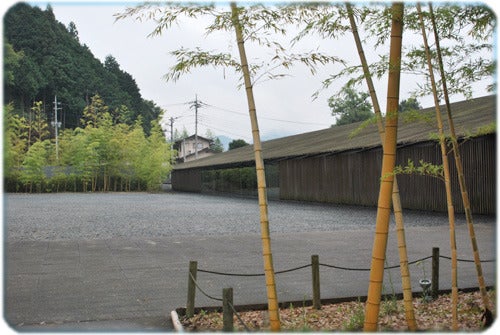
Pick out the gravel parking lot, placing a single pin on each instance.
(88, 216)
(118, 261)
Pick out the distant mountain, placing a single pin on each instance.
(225, 140)
(271, 135)
(43, 58)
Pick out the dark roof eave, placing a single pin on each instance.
(251, 162)
(471, 113)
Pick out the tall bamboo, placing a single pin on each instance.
(396, 199)
(261, 179)
(387, 178)
(446, 168)
(460, 171)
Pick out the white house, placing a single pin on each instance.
(186, 148)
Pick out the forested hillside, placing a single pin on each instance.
(43, 58)
(109, 138)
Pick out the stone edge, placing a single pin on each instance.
(175, 321)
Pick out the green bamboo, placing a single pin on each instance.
(388, 164)
(446, 168)
(396, 199)
(261, 179)
(460, 171)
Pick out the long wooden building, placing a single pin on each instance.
(343, 164)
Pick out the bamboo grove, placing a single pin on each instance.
(101, 155)
(466, 29)
(105, 155)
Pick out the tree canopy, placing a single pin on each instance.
(466, 29)
(43, 58)
(234, 144)
(350, 106)
(100, 156)
(410, 104)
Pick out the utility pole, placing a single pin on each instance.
(196, 127)
(196, 106)
(56, 125)
(172, 129)
(172, 119)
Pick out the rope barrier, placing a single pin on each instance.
(343, 268)
(294, 269)
(238, 317)
(232, 274)
(253, 274)
(329, 266)
(221, 300)
(367, 269)
(203, 292)
(467, 260)
(409, 263)
(299, 268)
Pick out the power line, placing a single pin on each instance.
(221, 120)
(227, 132)
(268, 118)
(204, 118)
(176, 104)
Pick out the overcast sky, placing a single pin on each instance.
(284, 106)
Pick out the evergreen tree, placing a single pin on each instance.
(237, 144)
(215, 143)
(47, 59)
(410, 104)
(73, 31)
(11, 60)
(179, 135)
(350, 106)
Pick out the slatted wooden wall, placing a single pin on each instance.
(188, 180)
(353, 177)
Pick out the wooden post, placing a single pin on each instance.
(435, 272)
(315, 282)
(227, 310)
(193, 268)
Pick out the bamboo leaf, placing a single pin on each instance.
(423, 169)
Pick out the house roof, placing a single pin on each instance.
(204, 150)
(469, 117)
(201, 138)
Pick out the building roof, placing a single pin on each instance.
(469, 117)
(192, 137)
(200, 151)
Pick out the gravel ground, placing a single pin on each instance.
(68, 216)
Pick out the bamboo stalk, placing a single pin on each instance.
(460, 171)
(446, 168)
(387, 179)
(261, 179)
(396, 199)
